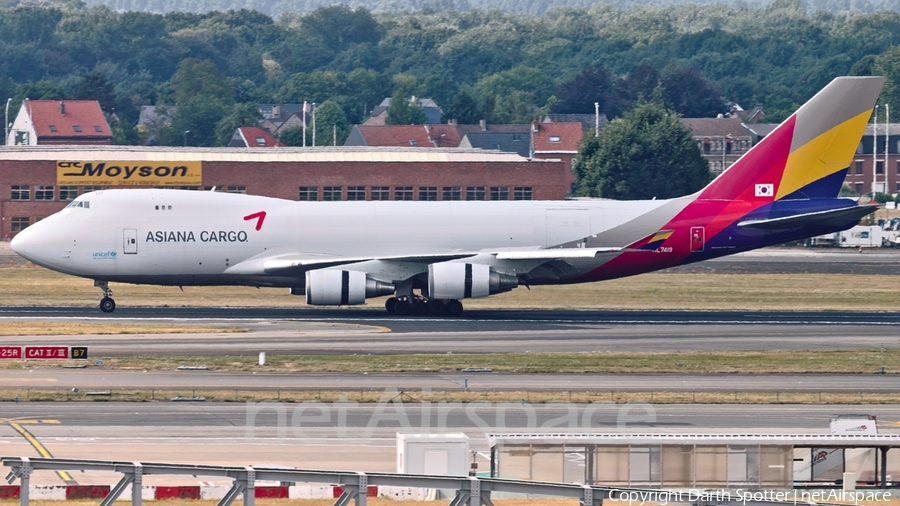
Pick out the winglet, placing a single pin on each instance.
(817, 141)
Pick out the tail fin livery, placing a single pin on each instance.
(806, 156)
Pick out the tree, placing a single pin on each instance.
(292, 136)
(241, 115)
(95, 86)
(645, 154)
(463, 109)
(593, 84)
(690, 95)
(339, 27)
(403, 112)
(331, 122)
(195, 78)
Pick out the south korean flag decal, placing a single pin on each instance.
(765, 190)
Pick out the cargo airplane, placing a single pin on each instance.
(340, 253)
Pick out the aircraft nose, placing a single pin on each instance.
(18, 243)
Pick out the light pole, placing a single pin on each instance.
(314, 124)
(596, 119)
(6, 124)
(185, 136)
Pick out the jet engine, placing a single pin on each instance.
(332, 287)
(456, 280)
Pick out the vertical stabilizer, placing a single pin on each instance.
(808, 152)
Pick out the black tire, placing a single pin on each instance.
(107, 305)
(435, 307)
(391, 305)
(419, 308)
(402, 307)
(454, 308)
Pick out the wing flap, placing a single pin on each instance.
(833, 217)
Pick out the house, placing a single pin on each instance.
(432, 111)
(152, 119)
(253, 137)
(43, 122)
(588, 121)
(422, 136)
(511, 142)
(280, 116)
(721, 140)
(559, 141)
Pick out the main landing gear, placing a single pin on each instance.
(107, 304)
(420, 306)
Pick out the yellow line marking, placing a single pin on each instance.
(64, 476)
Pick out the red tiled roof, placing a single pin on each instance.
(557, 136)
(445, 136)
(252, 136)
(64, 118)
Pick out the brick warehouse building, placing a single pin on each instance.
(36, 182)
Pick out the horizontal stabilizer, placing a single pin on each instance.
(553, 254)
(833, 217)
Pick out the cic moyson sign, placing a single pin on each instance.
(134, 173)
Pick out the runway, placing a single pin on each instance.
(98, 378)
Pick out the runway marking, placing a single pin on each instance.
(41, 449)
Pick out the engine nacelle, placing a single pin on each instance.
(332, 287)
(457, 280)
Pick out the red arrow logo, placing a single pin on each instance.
(260, 217)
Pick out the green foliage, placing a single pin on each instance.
(332, 127)
(292, 136)
(645, 154)
(403, 112)
(201, 79)
(95, 86)
(241, 115)
(693, 57)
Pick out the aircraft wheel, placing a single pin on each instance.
(107, 305)
(391, 305)
(435, 307)
(402, 307)
(454, 308)
(419, 308)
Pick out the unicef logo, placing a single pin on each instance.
(104, 255)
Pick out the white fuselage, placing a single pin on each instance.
(197, 238)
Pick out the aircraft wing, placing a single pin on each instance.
(297, 264)
(554, 253)
(833, 217)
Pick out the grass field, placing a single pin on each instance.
(846, 361)
(36, 286)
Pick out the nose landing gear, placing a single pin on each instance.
(107, 304)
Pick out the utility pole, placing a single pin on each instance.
(6, 124)
(596, 119)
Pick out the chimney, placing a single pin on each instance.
(62, 108)
(276, 111)
(483, 124)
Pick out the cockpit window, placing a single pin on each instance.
(80, 203)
